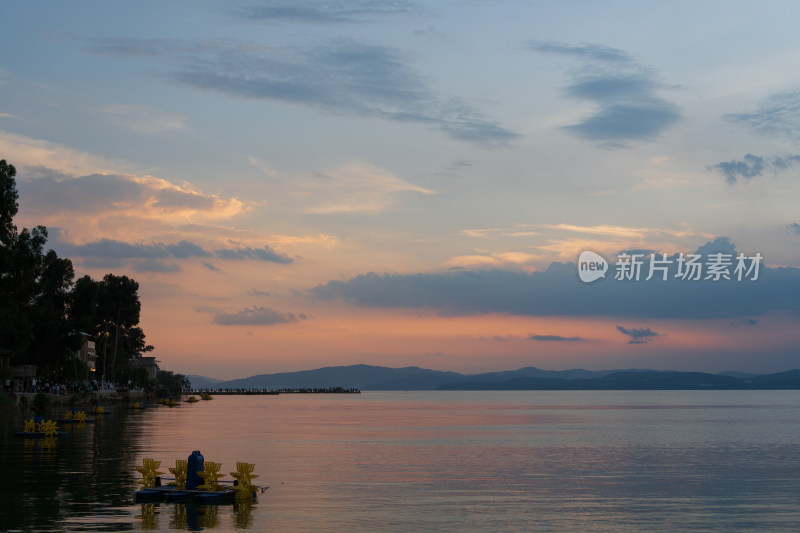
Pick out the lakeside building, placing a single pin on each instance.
(87, 354)
(149, 364)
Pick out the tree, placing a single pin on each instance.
(9, 304)
(83, 305)
(133, 342)
(42, 310)
(118, 310)
(8, 202)
(35, 286)
(170, 384)
(53, 342)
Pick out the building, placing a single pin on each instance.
(149, 364)
(87, 354)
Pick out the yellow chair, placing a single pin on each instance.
(210, 475)
(244, 475)
(48, 427)
(179, 471)
(149, 471)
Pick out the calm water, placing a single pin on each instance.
(431, 461)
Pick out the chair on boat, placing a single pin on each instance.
(210, 475)
(149, 471)
(179, 471)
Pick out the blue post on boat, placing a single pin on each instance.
(194, 465)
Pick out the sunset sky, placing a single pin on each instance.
(297, 184)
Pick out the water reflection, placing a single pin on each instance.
(83, 477)
(191, 517)
(429, 461)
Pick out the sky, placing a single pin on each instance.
(298, 184)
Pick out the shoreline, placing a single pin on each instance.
(19, 399)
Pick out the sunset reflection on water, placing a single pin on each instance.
(396, 461)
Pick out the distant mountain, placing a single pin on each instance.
(781, 380)
(368, 377)
(640, 380)
(740, 375)
(202, 382)
(364, 377)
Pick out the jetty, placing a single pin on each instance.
(246, 391)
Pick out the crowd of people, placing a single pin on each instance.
(35, 385)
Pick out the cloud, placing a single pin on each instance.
(146, 120)
(753, 166)
(154, 265)
(256, 292)
(638, 335)
(341, 77)
(607, 230)
(558, 291)
(259, 254)
(357, 188)
(143, 48)
(325, 12)
(588, 52)
(142, 257)
(211, 267)
(495, 260)
(58, 159)
(750, 167)
(744, 322)
(253, 316)
(186, 249)
(536, 337)
(46, 191)
(777, 115)
(113, 249)
(624, 93)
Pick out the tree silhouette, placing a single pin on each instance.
(42, 309)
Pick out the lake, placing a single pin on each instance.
(429, 461)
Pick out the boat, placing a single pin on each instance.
(220, 497)
(38, 434)
(74, 416)
(187, 486)
(152, 495)
(39, 428)
(224, 496)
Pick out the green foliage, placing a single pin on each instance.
(118, 310)
(83, 305)
(41, 402)
(8, 202)
(42, 310)
(170, 384)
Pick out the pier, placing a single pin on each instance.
(254, 391)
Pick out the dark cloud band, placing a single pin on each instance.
(557, 291)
